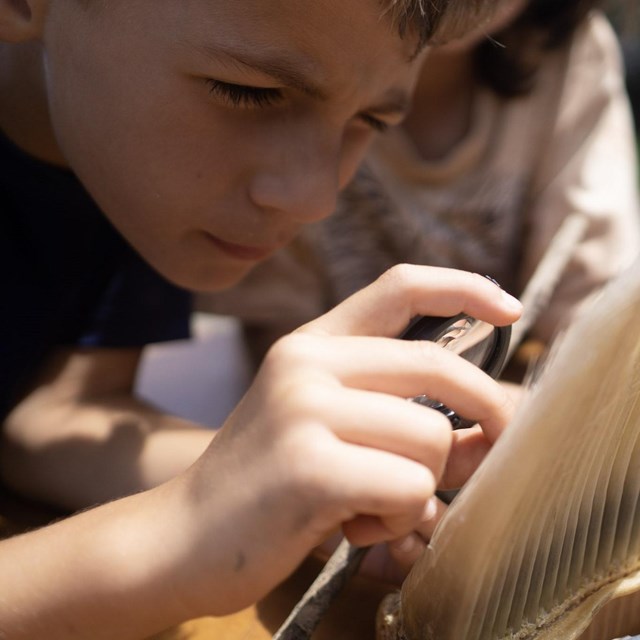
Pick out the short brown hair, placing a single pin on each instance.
(438, 20)
(442, 20)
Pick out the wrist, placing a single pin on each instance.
(111, 566)
(134, 551)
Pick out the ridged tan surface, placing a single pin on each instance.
(548, 531)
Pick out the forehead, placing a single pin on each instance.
(327, 39)
(332, 41)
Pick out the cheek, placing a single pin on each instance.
(127, 123)
(138, 151)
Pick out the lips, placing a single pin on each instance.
(242, 252)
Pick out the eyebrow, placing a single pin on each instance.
(292, 74)
(296, 73)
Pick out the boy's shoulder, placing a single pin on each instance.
(68, 278)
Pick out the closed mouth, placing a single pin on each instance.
(240, 251)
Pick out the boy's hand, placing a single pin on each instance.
(325, 436)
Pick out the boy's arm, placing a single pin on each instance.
(80, 437)
(106, 573)
(324, 438)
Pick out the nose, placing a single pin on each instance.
(299, 176)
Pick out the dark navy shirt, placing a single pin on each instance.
(67, 277)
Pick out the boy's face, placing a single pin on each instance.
(211, 131)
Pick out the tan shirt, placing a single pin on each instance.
(492, 205)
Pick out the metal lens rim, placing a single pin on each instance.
(429, 328)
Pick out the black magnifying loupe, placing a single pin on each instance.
(478, 342)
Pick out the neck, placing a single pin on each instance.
(24, 112)
(441, 108)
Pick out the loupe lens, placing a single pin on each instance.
(471, 339)
(479, 342)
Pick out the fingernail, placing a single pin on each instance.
(511, 302)
(406, 544)
(430, 510)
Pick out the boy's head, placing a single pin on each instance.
(211, 131)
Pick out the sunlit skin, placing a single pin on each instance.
(211, 132)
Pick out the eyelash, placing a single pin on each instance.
(238, 95)
(374, 123)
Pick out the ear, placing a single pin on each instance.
(22, 20)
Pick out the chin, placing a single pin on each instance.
(212, 280)
(200, 274)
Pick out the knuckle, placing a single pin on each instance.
(434, 441)
(311, 476)
(290, 351)
(416, 493)
(399, 276)
(435, 362)
(429, 351)
(477, 281)
(505, 406)
(498, 403)
(310, 484)
(306, 399)
(306, 466)
(442, 440)
(441, 433)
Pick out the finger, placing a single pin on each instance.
(386, 307)
(468, 449)
(397, 367)
(432, 515)
(406, 551)
(387, 423)
(379, 565)
(392, 500)
(326, 548)
(365, 531)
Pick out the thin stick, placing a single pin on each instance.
(308, 613)
(542, 284)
